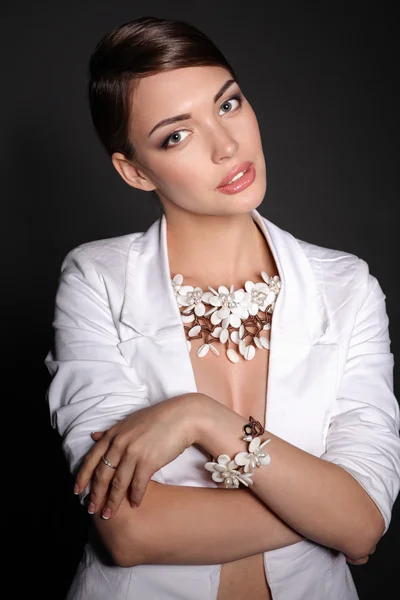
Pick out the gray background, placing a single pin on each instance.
(324, 88)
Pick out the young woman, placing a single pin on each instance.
(223, 389)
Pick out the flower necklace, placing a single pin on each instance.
(234, 315)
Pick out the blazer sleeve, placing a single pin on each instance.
(363, 435)
(92, 387)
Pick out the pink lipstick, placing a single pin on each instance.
(243, 176)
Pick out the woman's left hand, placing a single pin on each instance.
(139, 445)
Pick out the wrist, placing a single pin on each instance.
(203, 410)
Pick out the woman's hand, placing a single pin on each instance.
(137, 446)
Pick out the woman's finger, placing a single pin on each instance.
(102, 476)
(139, 483)
(92, 459)
(97, 435)
(119, 486)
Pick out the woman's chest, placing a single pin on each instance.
(240, 386)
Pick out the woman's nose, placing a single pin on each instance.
(224, 145)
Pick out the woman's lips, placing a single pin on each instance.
(240, 184)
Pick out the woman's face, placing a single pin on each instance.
(217, 131)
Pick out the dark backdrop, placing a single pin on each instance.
(324, 87)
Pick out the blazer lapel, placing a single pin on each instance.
(302, 367)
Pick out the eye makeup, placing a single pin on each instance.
(165, 144)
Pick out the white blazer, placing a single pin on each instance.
(120, 346)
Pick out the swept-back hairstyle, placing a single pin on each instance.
(137, 49)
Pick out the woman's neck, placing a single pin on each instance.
(217, 250)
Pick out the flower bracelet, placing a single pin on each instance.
(241, 468)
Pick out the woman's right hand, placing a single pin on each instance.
(138, 446)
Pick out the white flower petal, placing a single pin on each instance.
(189, 345)
(187, 318)
(265, 276)
(250, 352)
(217, 477)
(255, 442)
(248, 286)
(220, 468)
(210, 311)
(262, 287)
(253, 309)
(245, 479)
(224, 312)
(194, 331)
(223, 290)
(267, 326)
(189, 308)
(203, 350)
(216, 332)
(224, 336)
(233, 355)
(210, 466)
(223, 459)
(242, 458)
(265, 342)
(235, 337)
(271, 297)
(246, 303)
(235, 320)
(214, 349)
(185, 289)
(200, 309)
(239, 295)
(215, 301)
(178, 279)
(215, 320)
(242, 347)
(225, 323)
(206, 297)
(257, 342)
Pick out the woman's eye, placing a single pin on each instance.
(175, 138)
(229, 105)
(179, 136)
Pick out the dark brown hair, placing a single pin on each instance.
(137, 49)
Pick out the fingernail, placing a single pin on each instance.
(133, 504)
(106, 513)
(91, 508)
(76, 489)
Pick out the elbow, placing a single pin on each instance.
(123, 549)
(123, 556)
(363, 544)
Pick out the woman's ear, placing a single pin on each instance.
(131, 173)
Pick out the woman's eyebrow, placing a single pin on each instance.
(186, 116)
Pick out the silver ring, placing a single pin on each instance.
(105, 461)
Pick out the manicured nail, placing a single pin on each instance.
(106, 513)
(76, 489)
(91, 508)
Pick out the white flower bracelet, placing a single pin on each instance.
(242, 467)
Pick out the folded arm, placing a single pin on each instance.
(343, 499)
(192, 526)
(93, 388)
